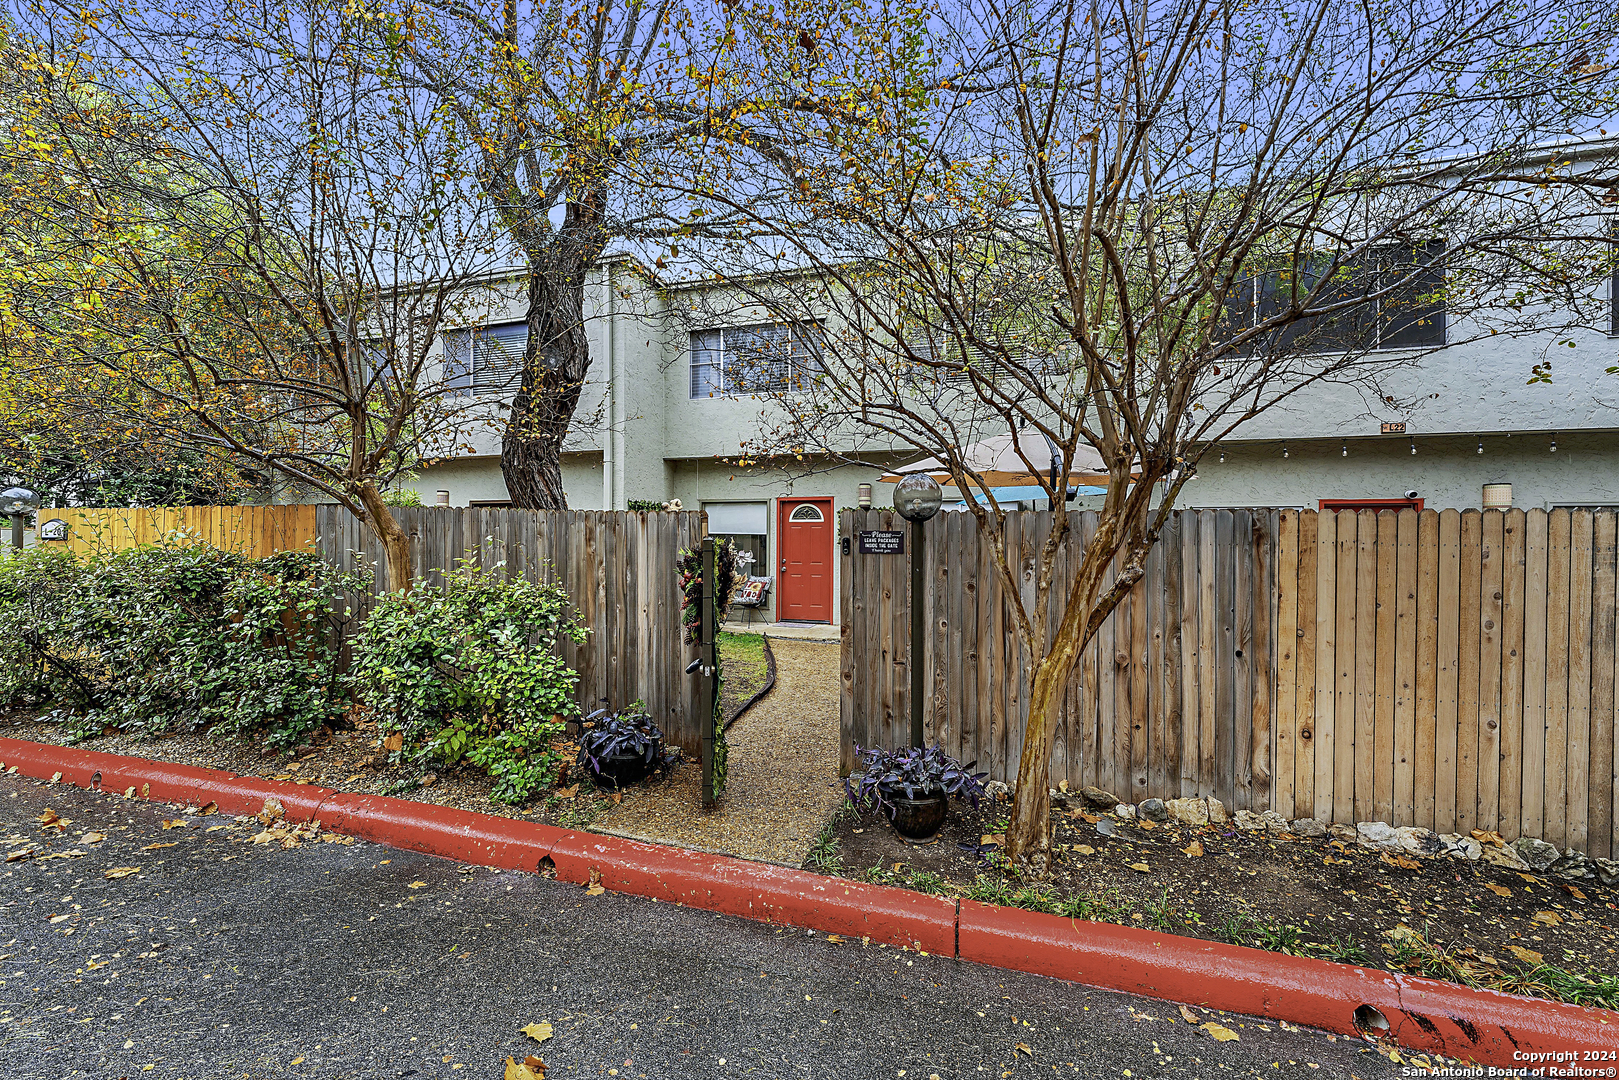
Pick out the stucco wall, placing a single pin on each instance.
(1446, 472)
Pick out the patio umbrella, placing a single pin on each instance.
(997, 460)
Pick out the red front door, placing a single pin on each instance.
(804, 546)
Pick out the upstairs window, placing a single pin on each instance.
(1410, 314)
(765, 358)
(485, 360)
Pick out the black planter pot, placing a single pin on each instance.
(919, 819)
(619, 770)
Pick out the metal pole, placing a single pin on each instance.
(706, 634)
(16, 530)
(917, 628)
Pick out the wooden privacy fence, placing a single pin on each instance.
(252, 530)
(618, 567)
(1453, 669)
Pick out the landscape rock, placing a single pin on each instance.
(1346, 833)
(1310, 827)
(1275, 823)
(1415, 840)
(997, 790)
(1607, 871)
(1462, 847)
(1125, 811)
(1153, 810)
(1505, 856)
(1217, 812)
(1098, 799)
(1537, 853)
(1574, 866)
(1194, 812)
(1377, 834)
(1248, 821)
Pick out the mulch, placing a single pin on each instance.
(1347, 902)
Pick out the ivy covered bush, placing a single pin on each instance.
(472, 673)
(174, 636)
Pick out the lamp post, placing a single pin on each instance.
(17, 503)
(917, 498)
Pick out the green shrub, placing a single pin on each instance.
(173, 636)
(473, 672)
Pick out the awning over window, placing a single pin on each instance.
(738, 519)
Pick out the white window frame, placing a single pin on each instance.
(719, 366)
(495, 363)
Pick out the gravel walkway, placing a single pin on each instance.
(783, 782)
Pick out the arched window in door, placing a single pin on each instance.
(806, 512)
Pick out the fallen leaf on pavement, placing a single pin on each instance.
(1141, 867)
(1188, 1015)
(272, 810)
(1145, 824)
(530, 1068)
(129, 793)
(299, 1060)
(539, 1032)
(594, 890)
(75, 853)
(92, 838)
(122, 871)
(1532, 879)
(16, 856)
(1401, 861)
(417, 885)
(1546, 918)
(1499, 890)
(834, 937)
(154, 847)
(59, 919)
(1194, 849)
(1220, 1032)
(173, 823)
(1526, 955)
(1084, 849)
(209, 807)
(1574, 890)
(48, 818)
(1023, 1048)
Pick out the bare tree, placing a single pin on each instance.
(243, 247)
(1133, 227)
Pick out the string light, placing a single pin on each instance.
(1284, 449)
(1222, 456)
(1413, 448)
(1481, 446)
(1346, 449)
(1554, 442)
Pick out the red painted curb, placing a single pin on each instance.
(162, 780)
(1483, 1026)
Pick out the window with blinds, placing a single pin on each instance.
(487, 359)
(766, 358)
(1409, 313)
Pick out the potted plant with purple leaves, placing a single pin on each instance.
(913, 787)
(617, 749)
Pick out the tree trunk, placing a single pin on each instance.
(395, 541)
(554, 370)
(1028, 834)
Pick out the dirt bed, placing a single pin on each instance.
(1444, 917)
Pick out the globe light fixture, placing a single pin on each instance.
(918, 497)
(17, 503)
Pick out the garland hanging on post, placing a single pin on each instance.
(691, 587)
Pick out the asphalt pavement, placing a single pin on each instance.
(222, 958)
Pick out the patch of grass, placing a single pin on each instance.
(1561, 984)
(1344, 950)
(1240, 928)
(823, 854)
(742, 656)
(1159, 914)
